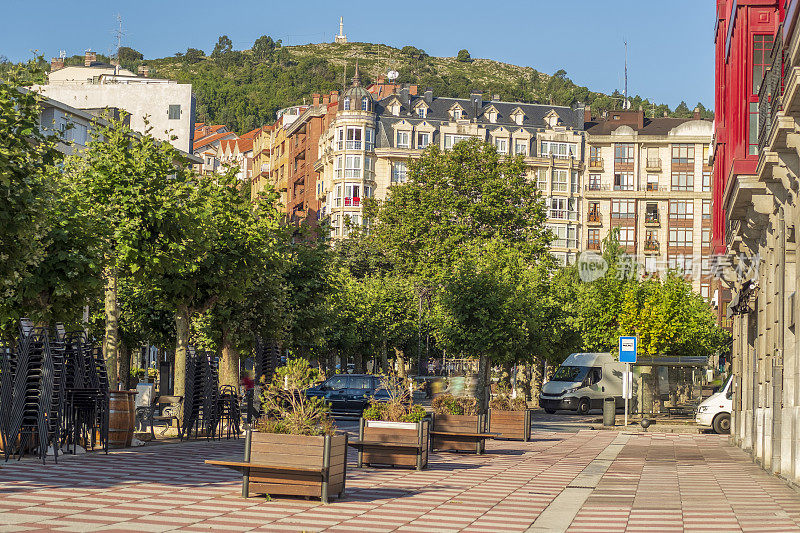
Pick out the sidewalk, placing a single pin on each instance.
(585, 481)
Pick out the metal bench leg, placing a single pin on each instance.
(245, 482)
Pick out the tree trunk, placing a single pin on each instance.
(537, 377)
(505, 375)
(484, 382)
(181, 345)
(384, 359)
(358, 363)
(111, 339)
(523, 383)
(401, 362)
(124, 365)
(229, 362)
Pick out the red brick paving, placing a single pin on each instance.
(675, 482)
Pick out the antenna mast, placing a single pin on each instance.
(119, 33)
(625, 103)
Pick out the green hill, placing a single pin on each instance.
(244, 89)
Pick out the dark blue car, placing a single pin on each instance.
(349, 394)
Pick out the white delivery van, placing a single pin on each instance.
(715, 411)
(582, 382)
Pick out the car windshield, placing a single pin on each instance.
(570, 373)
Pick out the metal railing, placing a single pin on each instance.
(654, 163)
(593, 245)
(594, 216)
(651, 218)
(596, 163)
(771, 91)
(651, 246)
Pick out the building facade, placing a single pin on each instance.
(755, 191)
(366, 146)
(650, 178)
(164, 107)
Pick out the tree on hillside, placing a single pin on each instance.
(264, 47)
(193, 55)
(128, 55)
(463, 56)
(224, 46)
(682, 111)
(414, 52)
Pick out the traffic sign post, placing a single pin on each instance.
(627, 355)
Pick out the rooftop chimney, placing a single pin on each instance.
(587, 114)
(697, 113)
(381, 79)
(428, 96)
(334, 97)
(89, 58)
(315, 99)
(496, 97)
(476, 97)
(412, 90)
(325, 99)
(57, 63)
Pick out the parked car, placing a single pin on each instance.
(715, 411)
(349, 394)
(582, 382)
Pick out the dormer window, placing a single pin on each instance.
(519, 118)
(491, 115)
(404, 139)
(346, 104)
(456, 114)
(421, 111)
(365, 104)
(395, 109)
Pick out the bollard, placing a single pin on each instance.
(249, 401)
(609, 411)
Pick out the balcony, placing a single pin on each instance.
(771, 92)
(596, 163)
(593, 244)
(594, 218)
(653, 165)
(562, 214)
(651, 246)
(652, 186)
(651, 219)
(353, 201)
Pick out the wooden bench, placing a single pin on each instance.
(461, 433)
(392, 443)
(317, 477)
(468, 438)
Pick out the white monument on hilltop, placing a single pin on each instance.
(341, 38)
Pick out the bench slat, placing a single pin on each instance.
(240, 464)
(378, 444)
(475, 435)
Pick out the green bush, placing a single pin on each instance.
(447, 404)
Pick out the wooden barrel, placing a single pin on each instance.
(120, 419)
(132, 420)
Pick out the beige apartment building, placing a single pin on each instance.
(365, 150)
(651, 179)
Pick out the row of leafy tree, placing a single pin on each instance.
(456, 262)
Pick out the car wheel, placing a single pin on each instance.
(722, 423)
(549, 411)
(584, 406)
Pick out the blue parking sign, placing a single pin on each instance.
(627, 349)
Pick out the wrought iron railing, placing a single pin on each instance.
(770, 92)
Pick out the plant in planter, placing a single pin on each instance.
(457, 424)
(394, 431)
(509, 417)
(294, 449)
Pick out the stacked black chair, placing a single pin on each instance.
(229, 413)
(201, 396)
(8, 367)
(268, 358)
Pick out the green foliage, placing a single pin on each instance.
(224, 46)
(447, 404)
(288, 409)
(378, 410)
(463, 56)
(504, 402)
(25, 157)
(264, 48)
(414, 53)
(128, 55)
(468, 195)
(193, 55)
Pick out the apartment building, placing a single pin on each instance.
(366, 146)
(650, 178)
(207, 138)
(262, 152)
(163, 107)
(756, 169)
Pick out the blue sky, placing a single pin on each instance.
(670, 44)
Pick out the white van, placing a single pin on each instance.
(582, 382)
(715, 411)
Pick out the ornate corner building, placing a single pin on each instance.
(755, 186)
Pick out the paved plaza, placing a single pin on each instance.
(584, 481)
